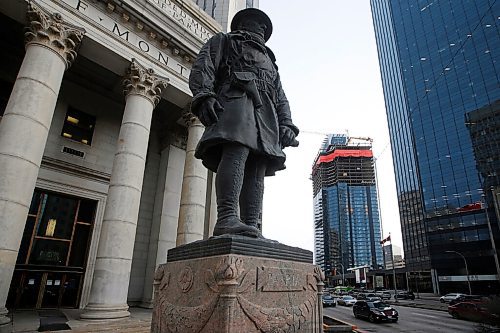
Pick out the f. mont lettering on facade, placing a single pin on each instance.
(190, 24)
(146, 47)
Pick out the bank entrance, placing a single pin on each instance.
(51, 262)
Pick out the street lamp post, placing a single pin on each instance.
(343, 281)
(394, 273)
(466, 268)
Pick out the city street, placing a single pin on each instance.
(412, 320)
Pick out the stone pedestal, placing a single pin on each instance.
(238, 284)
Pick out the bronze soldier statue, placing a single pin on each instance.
(237, 95)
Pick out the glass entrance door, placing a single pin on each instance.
(53, 253)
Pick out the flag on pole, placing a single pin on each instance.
(387, 239)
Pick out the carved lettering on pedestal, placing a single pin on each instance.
(280, 279)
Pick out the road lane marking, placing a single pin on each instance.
(424, 315)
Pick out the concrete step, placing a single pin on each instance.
(109, 327)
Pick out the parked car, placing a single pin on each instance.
(375, 311)
(475, 311)
(360, 296)
(346, 301)
(404, 295)
(384, 295)
(449, 297)
(468, 298)
(373, 298)
(328, 301)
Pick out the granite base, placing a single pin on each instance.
(215, 286)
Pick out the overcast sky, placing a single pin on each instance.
(329, 69)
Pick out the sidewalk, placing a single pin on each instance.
(426, 301)
(29, 321)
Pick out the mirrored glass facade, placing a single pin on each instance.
(439, 64)
(347, 223)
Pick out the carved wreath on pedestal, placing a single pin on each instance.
(230, 274)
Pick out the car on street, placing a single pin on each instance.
(384, 295)
(328, 300)
(449, 297)
(401, 294)
(346, 301)
(468, 298)
(375, 311)
(474, 311)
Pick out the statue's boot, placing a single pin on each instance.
(234, 226)
(252, 194)
(228, 184)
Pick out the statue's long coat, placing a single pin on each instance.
(225, 64)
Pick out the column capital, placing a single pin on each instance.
(189, 118)
(51, 31)
(143, 81)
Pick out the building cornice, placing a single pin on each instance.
(150, 18)
(75, 170)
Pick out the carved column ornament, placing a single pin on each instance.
(51, 31)
(189, 118)
(143, 81)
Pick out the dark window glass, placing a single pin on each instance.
(70, 290)
(57, 216)
(30, 286)
(78, 126)
(79, 245)
(53, 286)
(49, 252)
(86, 211)
(26, 240)
(35, 202)
(5, 90)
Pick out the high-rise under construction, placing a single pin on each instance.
(346, 214)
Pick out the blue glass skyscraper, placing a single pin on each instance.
(347, 223)
(439, 64)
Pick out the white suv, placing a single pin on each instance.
(449, 297)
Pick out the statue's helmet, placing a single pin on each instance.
(253, 14)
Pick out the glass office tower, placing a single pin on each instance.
(439, 64)
(347, 223)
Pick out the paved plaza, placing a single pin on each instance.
(138, 322)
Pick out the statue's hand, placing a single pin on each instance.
(287, 137)
(208, 111)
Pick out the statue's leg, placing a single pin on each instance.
(228, 183)
(252, 192)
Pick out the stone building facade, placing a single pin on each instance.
(97, 171)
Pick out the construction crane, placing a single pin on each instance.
(313, 132)
(363, 138)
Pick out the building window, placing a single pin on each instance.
(78, 126)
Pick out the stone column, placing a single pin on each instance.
(211, 209)
(165, 215)
(51, 46)
(194, 187)
(108, 295)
